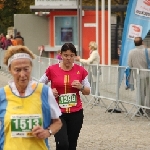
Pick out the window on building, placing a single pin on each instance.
(66, 30)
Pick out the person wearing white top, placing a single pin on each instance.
(94, 58)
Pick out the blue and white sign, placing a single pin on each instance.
(137, 24)
(134, 31)
(143, 8)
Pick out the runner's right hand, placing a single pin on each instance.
(55, 92)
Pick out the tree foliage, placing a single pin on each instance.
(11, 7)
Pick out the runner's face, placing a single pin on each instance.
(68, 58)
(21, 69)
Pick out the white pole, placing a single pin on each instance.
(81, 51)
(97, 29)
(78, 27)
(103, 30)
(109, 32)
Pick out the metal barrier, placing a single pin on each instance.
(3, 68)
(105, 85)
(40, 64)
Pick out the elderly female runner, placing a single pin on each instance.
(67, 80)
(29, 113)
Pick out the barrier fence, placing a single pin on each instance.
(105, 87)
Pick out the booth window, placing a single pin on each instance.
(65, 30)
(66, 35)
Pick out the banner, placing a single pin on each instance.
(137, 24)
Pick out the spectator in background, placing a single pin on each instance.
(7, 42)
(58, 56)
(137, 59)
(19, 39)
(94, 55)
(93, 59)
(2, 40)
(14, 42)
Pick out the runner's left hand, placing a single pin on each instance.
(40, 133)
(76, 84)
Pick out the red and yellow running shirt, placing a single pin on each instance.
(61, 80)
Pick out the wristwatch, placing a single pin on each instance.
(82, 88)
(50, 131)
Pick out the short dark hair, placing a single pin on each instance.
(138, 41)
(69, 46)
(18, 33)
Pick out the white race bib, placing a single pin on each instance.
(22, 125)
(67, 100)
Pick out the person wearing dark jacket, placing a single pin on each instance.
(19, 39)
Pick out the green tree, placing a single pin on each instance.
(10, 8)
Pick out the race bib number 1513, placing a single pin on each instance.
(22, 125)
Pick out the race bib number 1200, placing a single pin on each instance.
(22, 125)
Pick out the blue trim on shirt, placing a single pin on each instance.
(45, 110)
(3, 105)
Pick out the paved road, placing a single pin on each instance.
(105, 131)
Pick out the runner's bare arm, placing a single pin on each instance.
(55, 126)
(85, 90)
(41, 133)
